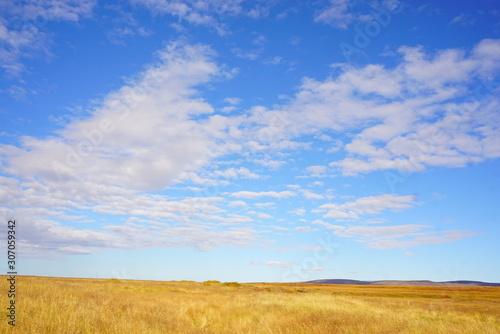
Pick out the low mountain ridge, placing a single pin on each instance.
(401, 283)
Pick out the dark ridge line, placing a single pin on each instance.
(401, 283)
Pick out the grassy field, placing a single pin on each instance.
(65, 305)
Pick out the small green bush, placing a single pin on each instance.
(231, 284)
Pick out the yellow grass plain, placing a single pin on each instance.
(73, 306)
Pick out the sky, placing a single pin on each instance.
(251, 141)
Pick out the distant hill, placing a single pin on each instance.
(400, 283)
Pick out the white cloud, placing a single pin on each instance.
(317, 183)
(228, 109)
(265, 205)
(336, 14)
(375, 221)
(56, 10)
(18, 93)
(262, 215)
(312, 247)
(258, 12)
(280, 228)
(235, 173)
(194, 11)
(310, 195)
(367, 206)
(317, 268)
(302, 229)
(258, 194)
(251, 55)
(328, 225)
(209, 13)
(269, 163)
(463, 20)
(298, 212)
(156, 131)
(18, 41)
(276, 60)
(396, 236)
(439, 196)
(316, 171)
(125, 26)
(427, 110)
(237, 204)
(260, 40)
(402, 236)
(195, 189)
(383, 231)
(141, 137)
(47, 237)
(232, 100)
(384, 237)
(279, 264)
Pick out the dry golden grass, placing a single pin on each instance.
(65, 305)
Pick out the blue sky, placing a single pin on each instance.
(252, 140)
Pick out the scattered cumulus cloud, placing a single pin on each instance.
(298, 212)
(115, 146)
(311, 195)
(335, 14)
(235, 173)
(280, 264)
(250, 55)
(258, 194)
(317, 268)
(232, 100)
(367, 206)
(276, 60)
(316, 171)
(462, 20)
(260, 40)
(19, 41)
(157, 131)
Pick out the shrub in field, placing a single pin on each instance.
(231, 284)
(113, 280)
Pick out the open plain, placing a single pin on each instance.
(74, 305)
